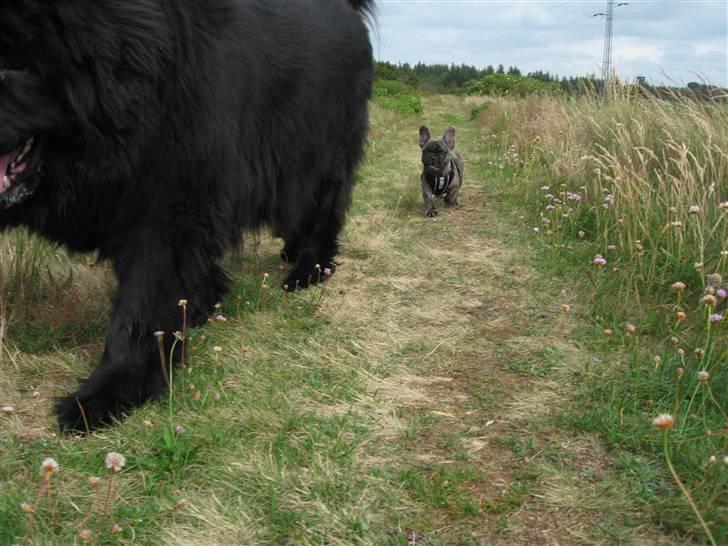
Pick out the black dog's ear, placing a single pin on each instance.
(449, 137)
(424, 136)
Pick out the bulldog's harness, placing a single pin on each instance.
(441, 183)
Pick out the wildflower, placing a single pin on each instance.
(657, 360)
(85, 535)
(723, 206)
(673, 210)
(182, 303)
(581, 234)
(220, 319)
(678, 286)
(536, 230)
(25, 507)
(599, 260)
(217, 349)
(549, 196)
(545, 221)
(573, 197)
(709, 300)
(608, 332)
(703, 376)
(725, 460)
(94, 481)
(115, 461)
(714, 279)
(115, 529)
(631, 328)
(663, 422)
(721, 293)
(681, 351)
(724, 253)
(712, 459)
(285, 288)
(674, 341)
(159, 334)
(327, 272)
(49, 466)
(699, 353)
(694, 209)
(550, 207)
(179, 429)
(698, 265)
(716, 317)
(545, 188)
(565, 308)
(609, 199)
(676, 223)
(680, 372)
(681, 316)
(612, 247)
(36, 394)
(8, 410)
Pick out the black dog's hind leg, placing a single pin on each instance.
(151, 283)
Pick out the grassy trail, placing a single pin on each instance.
(413, 399)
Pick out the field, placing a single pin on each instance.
(489, 376)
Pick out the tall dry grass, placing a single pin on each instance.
(631, 195)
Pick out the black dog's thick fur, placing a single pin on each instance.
(161, 129)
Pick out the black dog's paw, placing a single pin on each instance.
(303, 278)
(431, 213)
(81, 415)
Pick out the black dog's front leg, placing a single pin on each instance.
(151, 284)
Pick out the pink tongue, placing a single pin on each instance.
(5, 160)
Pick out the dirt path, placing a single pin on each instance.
(470, 357)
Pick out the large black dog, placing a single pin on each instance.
(153, 131)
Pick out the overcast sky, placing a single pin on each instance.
(659, 39)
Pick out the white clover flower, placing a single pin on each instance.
(115, 461)
(49, 466)
(663, 422)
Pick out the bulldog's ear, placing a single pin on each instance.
(449, 137)
(424, 136)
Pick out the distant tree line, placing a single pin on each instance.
(464, 78)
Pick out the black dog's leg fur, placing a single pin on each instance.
(317, 242)
(151, 284)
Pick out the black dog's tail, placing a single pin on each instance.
(364, 6)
